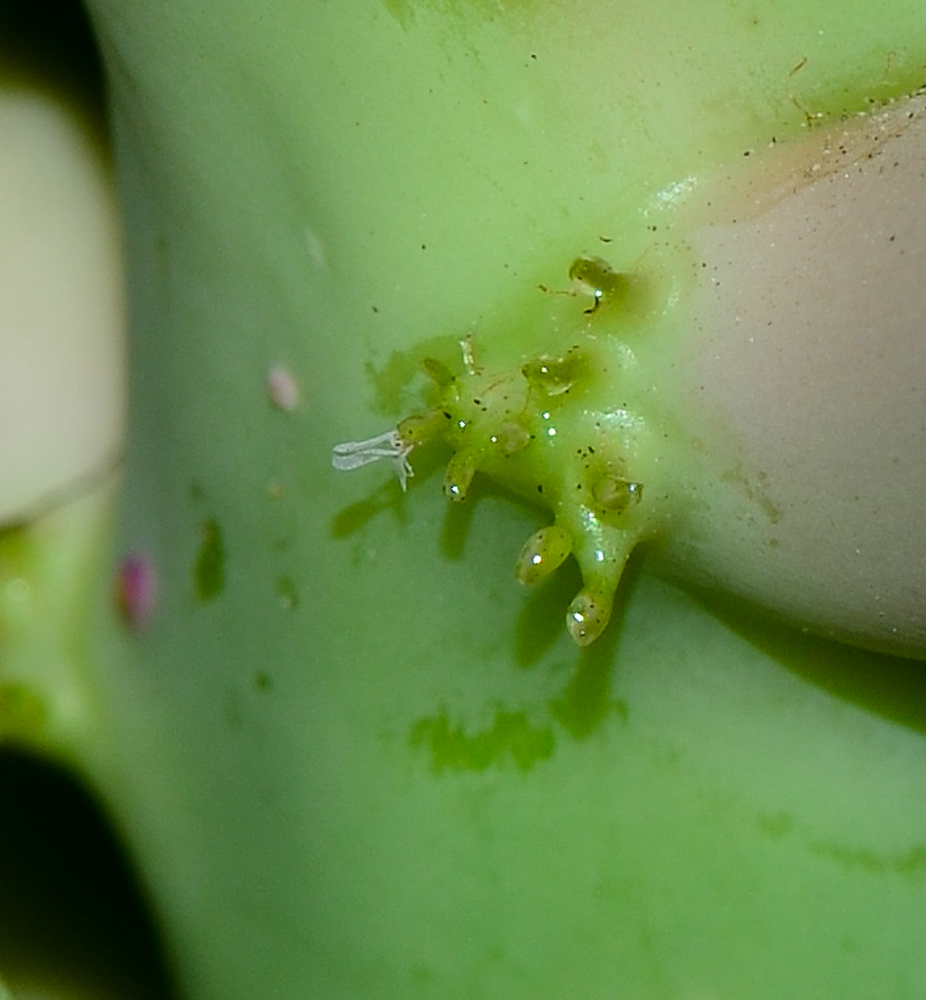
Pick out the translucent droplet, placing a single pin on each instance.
(553, 376)
(595, 276)
(616, 494)
(545, 551)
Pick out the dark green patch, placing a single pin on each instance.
(209, 571)
(10, 533)
(262, 681)
(511, 737)
(777, 826)
(17, 549)
(581, 708)
(910, 863)
(906, 863)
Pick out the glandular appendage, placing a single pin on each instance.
(459, 475)
(543, 553)
(545, 429)
(588, 615)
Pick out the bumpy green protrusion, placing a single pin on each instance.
(556, 429)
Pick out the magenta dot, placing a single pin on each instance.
(136, 590)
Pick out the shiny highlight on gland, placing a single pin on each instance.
(548, 430)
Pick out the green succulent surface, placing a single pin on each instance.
(353, 759)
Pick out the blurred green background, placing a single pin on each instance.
(73, 925)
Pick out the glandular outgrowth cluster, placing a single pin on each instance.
(550, 430)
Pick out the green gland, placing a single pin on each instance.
(559, 431)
